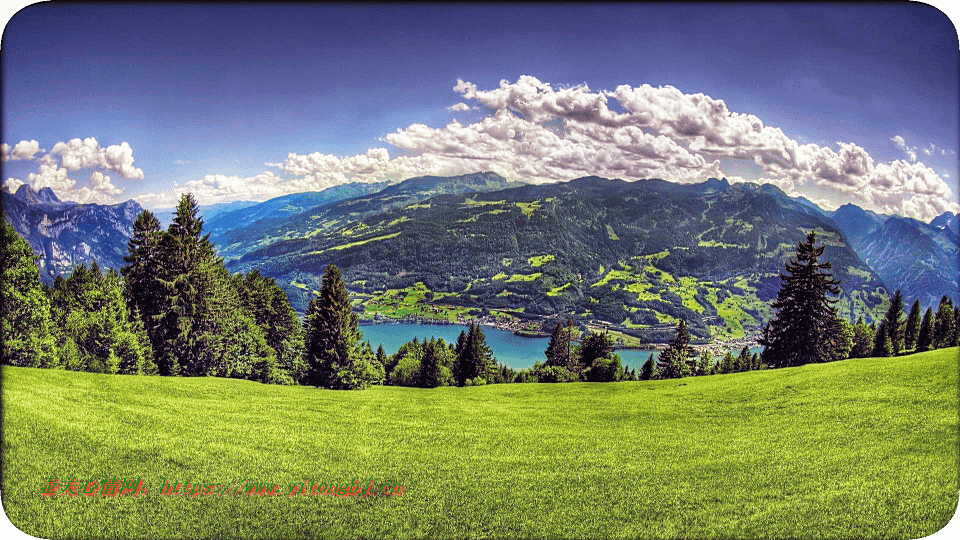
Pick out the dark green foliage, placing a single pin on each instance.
(728, 363)
(912, 327)
(839, 340)
(596, 345)
(143, 283)
(474, 359)
(605, 369)
(925, 334)
(26, 328)
(647, 370)
(95, 325)
(882, 346)
(863, 338)
(705, 363)
(801, 331)
(270, 308)
(943, 325)
(559, 349)
(674, 361)
(893, 323)
(334, 352)
(429, 366)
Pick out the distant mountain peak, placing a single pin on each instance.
(30, 196)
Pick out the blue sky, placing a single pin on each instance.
(839, 103)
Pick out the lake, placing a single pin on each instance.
(509, 349)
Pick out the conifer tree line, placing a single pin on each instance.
(174, 309)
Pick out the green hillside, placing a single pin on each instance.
(854, 449)
(637, 255)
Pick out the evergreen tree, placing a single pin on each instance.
(334, 352)
(705, 363)
(912, 327)
(863, 338)
(742, 363)
(429, 366)
(559, 348)
(647, 370)
(595, 346)
(270, 308)
(144, 276)
(839, 340)
(800, 332)
(90, 309)
(893, 323)
(882, 344)
(956, 326)
(674, 360)
(727, 365)
(925, 334)
(27, 335)
(474, 357)
(943, 324)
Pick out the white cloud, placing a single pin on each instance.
(909, 151)
(13, 184)
(81, 154)
(539, 133)
(22, 150)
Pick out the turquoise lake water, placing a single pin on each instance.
(514, 351)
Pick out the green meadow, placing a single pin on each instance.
(863, 448)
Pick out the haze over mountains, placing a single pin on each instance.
(638, 255)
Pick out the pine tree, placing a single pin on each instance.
(27, 334)
(799, 334)
(429, 366)
(863, 337)
(912, 327)
(674, 360)
(647, 370)
(144, 284)
(474, 357)
(882, 344)
(925, 334)
(893, 323)
(727, 365)
(943, 324)
(335, 354)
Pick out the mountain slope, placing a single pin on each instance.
(68, 234)
(236, 242)
(637, 255)
(285, 206)
(914, 257)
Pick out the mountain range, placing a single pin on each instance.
(633, 255)
(67, 234)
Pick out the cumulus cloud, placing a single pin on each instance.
(540, 133)
(22, 150)
(81, 154)
(74, 155)
(13, 184)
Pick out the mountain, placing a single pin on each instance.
(919, 259)
(949, 221)
(234, 243)
(634, 255)
(68, 234)
(856, 223)
(285, 206)
(207, 212)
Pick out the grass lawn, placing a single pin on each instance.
(853, 449)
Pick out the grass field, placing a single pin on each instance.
(853, 449)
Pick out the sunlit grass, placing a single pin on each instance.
(853, 449)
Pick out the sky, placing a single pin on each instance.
(839, 103)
